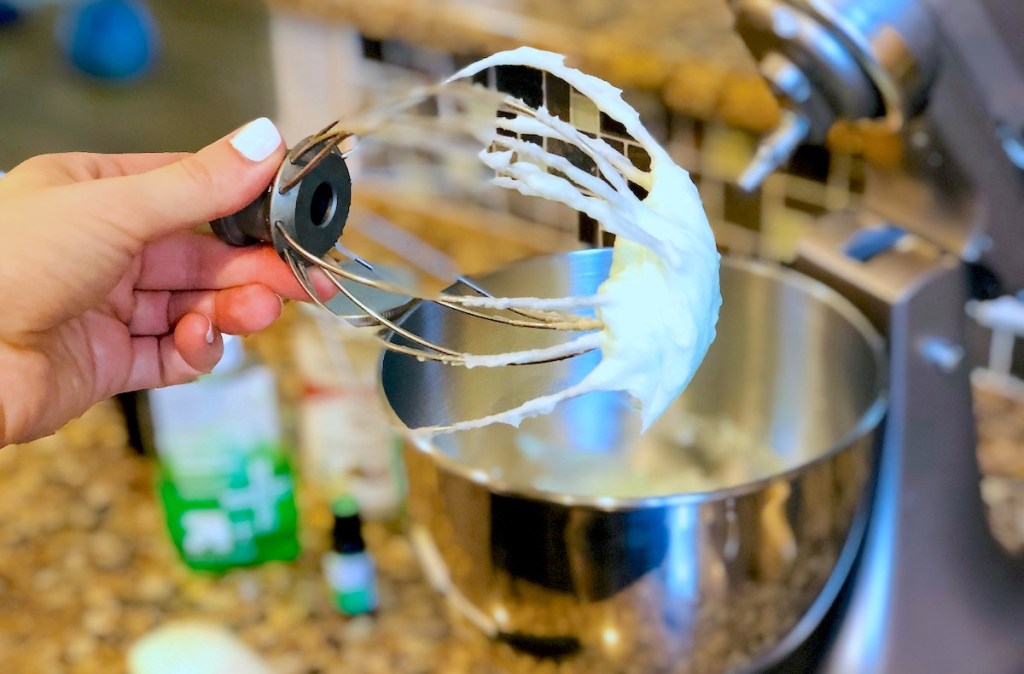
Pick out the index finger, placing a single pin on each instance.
(51, 170)
(83, 166)
(194, 261)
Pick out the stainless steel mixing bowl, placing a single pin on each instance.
(717, 581)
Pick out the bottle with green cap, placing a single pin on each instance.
(349, 568)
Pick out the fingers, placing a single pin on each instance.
(193, 349)
(218, 180)
(236, 311)
(189, 261)
(51, 170)
(82, 166)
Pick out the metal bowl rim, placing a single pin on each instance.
(859, 432)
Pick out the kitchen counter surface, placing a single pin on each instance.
(686, 50)
(87, 569)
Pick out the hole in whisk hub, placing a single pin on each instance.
(323, 204)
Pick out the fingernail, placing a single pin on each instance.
(257, 140)
(209, 332)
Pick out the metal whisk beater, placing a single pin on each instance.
(303, 214)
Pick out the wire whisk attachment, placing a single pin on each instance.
(303, 214)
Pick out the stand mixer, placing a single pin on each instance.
(931, 591)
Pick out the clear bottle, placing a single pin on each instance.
(225, 472)
(348, 445)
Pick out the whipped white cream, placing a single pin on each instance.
(659, 305)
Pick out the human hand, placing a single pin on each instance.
(106, 289)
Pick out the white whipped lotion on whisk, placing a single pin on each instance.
(659, 305)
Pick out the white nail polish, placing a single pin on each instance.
(209, 334)
(257, 140)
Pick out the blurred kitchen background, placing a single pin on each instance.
(87, 565)
(210, 72)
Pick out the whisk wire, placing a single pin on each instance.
(329, 141)
(307, 285)
(437, 352)
(538, 321)
(541, 320)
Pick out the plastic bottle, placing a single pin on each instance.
(348, 445)
(226, 478)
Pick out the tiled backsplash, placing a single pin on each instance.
(767, 221)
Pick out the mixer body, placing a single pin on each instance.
(932, 591)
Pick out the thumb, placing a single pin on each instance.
(220, 179)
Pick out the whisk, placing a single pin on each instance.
(304, 211)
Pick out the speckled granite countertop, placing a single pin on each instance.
(86, 568)
(686, 49)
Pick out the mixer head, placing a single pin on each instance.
(868, 61)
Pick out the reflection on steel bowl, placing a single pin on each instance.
(680, 453)
(655, 566)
